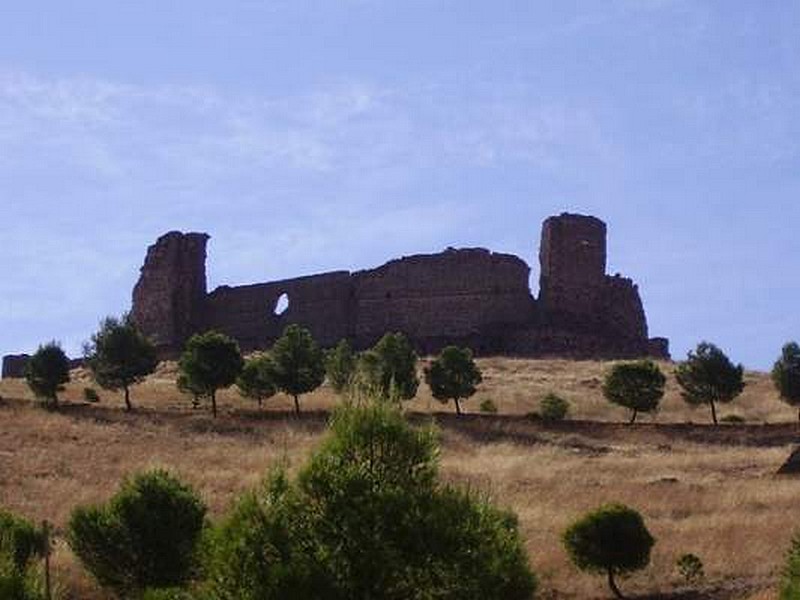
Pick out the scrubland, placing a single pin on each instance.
(701, 489)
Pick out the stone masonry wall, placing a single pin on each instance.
(169, 298)
(466, 296)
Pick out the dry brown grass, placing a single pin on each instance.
(710, 491)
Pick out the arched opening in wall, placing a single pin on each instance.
(281, 305)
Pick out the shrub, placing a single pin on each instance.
(612, 540)
(210, 361)
(20, 543)
(299, 363)
(90, 395)
(120, 356)
(47, 372)
(453, 375)
(708, 376)
(786, 375)
(257, 379)
(19, 584)
(553, 408)
(732, 419)
(20, 540)
(390, 367)
(145, 536)
(690, 568)
(340, 366)
(790, 579)
(637, 385)
(368, 518)
(167, 594)
(488, 406)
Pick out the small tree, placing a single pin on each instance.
(48, 371)
(340, 366)
(612, 540)
(453, 375)
(257, 379)
(638, 386)
(390, 367)
(120, 356)
(786, 375)
(211, 361)
(708, 376)
(145, 536)
(367, 517)
(299, 363)
(186, 387)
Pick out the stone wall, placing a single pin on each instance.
(14, 365)
(322, 303)
(454, 295)
(169, 298)
(468, 296)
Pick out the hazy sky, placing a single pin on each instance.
(307, 136)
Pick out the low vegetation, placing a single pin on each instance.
(699, 487)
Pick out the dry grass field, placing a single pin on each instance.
(702, 489)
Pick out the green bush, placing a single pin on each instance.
(553, 408)
(90, 395)
(733, 419)
(488, 406)
(790, 579)
(690, 567)
(20, 540)
(168, 594)
(20, 544)
(368, 518)
(145, 536)
(612, 540)
(19, 584)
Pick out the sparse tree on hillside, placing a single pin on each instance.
(211, 361)
(257, 379)
(120, 356)
(611, 540)
(786, 375)
(48, 371)
(708, 376)
(299, 363)
(638, 386)
(453, 375)
(390, 367)
(340, 366)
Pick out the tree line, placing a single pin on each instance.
(120, 356)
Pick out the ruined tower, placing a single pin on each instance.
(572, 256)
(168, 300)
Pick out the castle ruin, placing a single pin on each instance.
(471, 297)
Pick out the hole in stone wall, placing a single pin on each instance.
(281, 305)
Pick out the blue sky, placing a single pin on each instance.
(314, 135)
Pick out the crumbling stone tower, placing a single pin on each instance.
(573, 266)
(169, 298)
